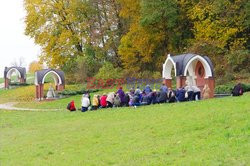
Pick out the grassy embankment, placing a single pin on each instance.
(211, 132)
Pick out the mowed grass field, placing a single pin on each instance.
(211, 132)
(1, 80)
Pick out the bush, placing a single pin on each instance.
(239, 60)
(77, 92)
(108, 71)
(223, 89)
(19, 84)
(227, 89)
(246, 87)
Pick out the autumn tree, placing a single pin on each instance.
(34, 66)
(84, 35)
(68, 29)
(221, 29)
(151, 33)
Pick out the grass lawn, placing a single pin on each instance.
(211, 132)
(1, 80)
(25, 97)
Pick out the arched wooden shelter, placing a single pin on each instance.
(40, 76)
(8, 71)
(197, 69)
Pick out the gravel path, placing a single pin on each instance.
(11, 106)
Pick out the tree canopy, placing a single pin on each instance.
(136, 35)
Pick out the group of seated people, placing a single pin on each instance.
(137, 97)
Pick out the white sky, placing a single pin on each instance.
(13, 43)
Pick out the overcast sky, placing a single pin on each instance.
(13, 43)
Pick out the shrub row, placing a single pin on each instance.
(77, 92)
(19, 84)
(227, 89)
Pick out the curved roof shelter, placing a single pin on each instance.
(8, 71)
(58, 76)
(183, 64)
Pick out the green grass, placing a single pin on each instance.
(1, 80)
(211, 132)
(25, 96)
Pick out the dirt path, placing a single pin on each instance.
(11, 106)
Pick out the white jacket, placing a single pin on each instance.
(110, 97)
(188, 88)
(196, 89)
(85, 101)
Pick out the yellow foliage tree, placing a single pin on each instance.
(34, 66)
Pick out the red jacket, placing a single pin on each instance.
(104, 101)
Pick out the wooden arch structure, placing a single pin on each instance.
(40, 76)
(198, 70)
(8, 71)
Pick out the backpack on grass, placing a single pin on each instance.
(68, 106)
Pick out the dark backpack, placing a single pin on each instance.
(68, 106)
(238, 90)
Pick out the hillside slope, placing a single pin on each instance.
(212, 132)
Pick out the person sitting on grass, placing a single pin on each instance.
(237, 90)
(164, 88)
(152, 97)
(117, 101)
(180, 94)
(99, 100)
(131, 100)
(127, 99)
(95, 104)
(147, 89)
(138, 90)
(121, 94)
(197, 93)
(162, 96)
(145, 100)
(188, 88)
(110, 99)
(171, 96)
(132, 91)
(71, 106)
(103, 101)
(85, 102)
(206, 92)
(136, 100)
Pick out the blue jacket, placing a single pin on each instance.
(180, 94)
(164, 88)
(147, 89)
